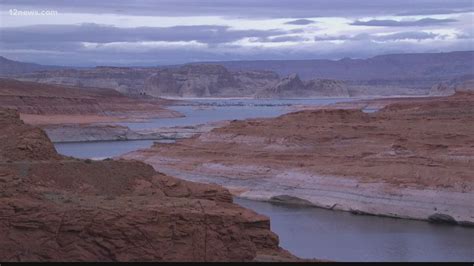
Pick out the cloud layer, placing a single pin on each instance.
(251, 8)
(144, 32)
(403, 23)
(90, 32)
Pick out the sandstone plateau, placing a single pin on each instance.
(183, 81)
(214, 80)
(388, 75)
(412, 159)
(53, 104)
(56, 208)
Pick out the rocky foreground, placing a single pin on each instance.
(413, 159)
(56, 208)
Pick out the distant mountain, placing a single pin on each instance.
(207, 81)
(408, 70)
(385, 75)
(10, 67)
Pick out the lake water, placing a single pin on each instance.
(341, 236)
(206, 110)
(196, 112)
(100, 149)
(310, 232)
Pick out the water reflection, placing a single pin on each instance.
(341, 236)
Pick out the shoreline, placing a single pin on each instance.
(375, 207)
(368, 97)
(415, 207)
(384, 164)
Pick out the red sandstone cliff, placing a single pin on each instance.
(56, 208)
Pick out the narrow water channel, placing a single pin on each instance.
(310, 232)
(341, 236)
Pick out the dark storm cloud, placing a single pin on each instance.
(403, 23)
(209, 34)
(249, 8)
(300, 22)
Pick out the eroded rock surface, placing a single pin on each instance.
(193, 80)
(293, 87)
(52, 104)
(412, 159)
(56, 208)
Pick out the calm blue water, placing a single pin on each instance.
(310, 232)
(205, 110)
(197, 112)
(341, 236)
(100, 149)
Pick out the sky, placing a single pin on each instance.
(166, 32)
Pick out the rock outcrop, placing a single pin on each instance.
(411, 159)
(184, 81)
(107, 132)
(409, 71)
(327, 88)
(207, 81)
(122, 79)
(191, 81)
(52, 100)
(293, 87)
(57, 208)
(11, 67)
(385, 75)
(463, 83)
(286, 88)
(442, 89)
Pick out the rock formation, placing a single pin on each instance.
(191, 81)
(385, 75)
(57, 208)
(184, 81)
(286, 88)
(327, 88)
(412, 159)
(107, 132)
(10, 67)
(463, 83)
(419, 70)
(39, 99)
(293, 87)
(122, 79)
(442, 89)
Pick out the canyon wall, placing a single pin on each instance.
(57, 208)
(40, 99)
(411, 159)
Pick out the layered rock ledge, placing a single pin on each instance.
(42, 104)
(412, 159)
(56, 208)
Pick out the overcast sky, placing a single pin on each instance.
(94, 32)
